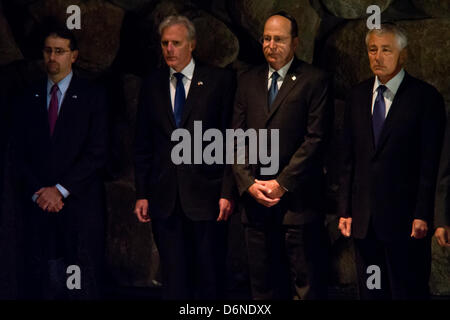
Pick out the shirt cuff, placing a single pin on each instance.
(34, 197)
(62, 190)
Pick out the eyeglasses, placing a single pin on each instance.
(57, 51)
(265, 40)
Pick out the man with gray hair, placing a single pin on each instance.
(393, 131)
(187, 203)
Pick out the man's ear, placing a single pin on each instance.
(193, 44)
(74, 55)
(403, 56)
(295, 42)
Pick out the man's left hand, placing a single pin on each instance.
(49, 197)
(275, 190)
(226, 209)
(419, 229)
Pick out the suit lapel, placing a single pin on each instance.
(392, 115)
(69, 102)
(367, 113)
(164, 82)
(291, 79)
(261, 84)
(40, 101)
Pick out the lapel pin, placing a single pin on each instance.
(200, 83)
(75, 96)
(293, 78)
(36, 95)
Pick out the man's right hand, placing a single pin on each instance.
(259, 192)
(141, 210)
(345, 225)
(442, 235)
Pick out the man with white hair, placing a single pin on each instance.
(187, 203)
(393, 132)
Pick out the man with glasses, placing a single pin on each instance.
(283, 213)
(60, 148)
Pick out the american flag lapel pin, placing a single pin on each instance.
(200, 83)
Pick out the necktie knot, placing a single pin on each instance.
(54, 89)
(275, 76)
(379, 113)
(381, 89)
(53, 108)
(178, 75)
(180, 97)
(273, 90)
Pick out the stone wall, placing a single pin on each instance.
(119, 44)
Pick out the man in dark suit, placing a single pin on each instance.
(442, 209)
(393, 134)
(60, 148)
(184, 201)
(283, 213)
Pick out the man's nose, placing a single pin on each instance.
(272, 44)
(51, 55)
(378, 55)
(169, 46)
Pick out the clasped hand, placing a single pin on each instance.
(49, 199)
(268, 193)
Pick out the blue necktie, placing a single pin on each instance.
(379, 113)
(273, 90)
(180, 98)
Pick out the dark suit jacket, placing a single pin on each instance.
(394, 183)
(302, 111)
(158, 179)
(73, 157)
(442, 209)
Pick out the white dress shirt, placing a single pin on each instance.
(281, 72)
(391, 89)
(187, 72)
(63, 85)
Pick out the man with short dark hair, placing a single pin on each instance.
(60, 148)
(186, 201)
(283, 213)
(392, 139)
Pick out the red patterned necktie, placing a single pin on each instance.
(53, 109)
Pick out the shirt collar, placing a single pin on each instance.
(188, 71)
(63, 84)
(392, 84)
(282, 71)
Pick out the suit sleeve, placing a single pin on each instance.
(228, 185)
(431, 134)
(345, 164)
(442, 202)
(93, 157)
(242, 173)
(31, 183)
(143, 151)
(318, 127)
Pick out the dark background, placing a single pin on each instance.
(119, 45)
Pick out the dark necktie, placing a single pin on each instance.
(273, 90)
(180, 98)
(379, 113)
(53, 108)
